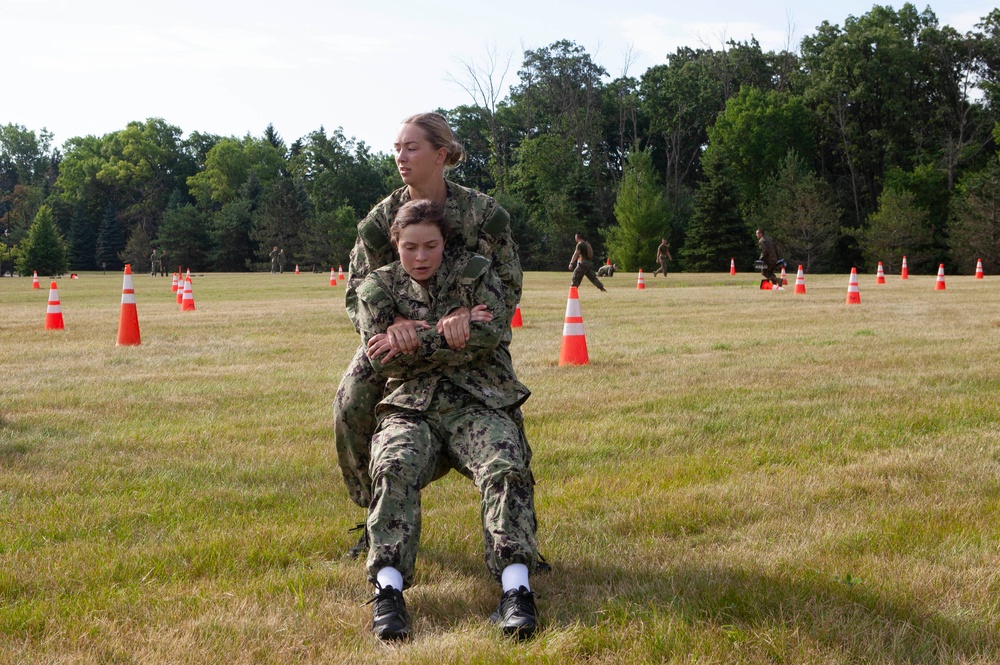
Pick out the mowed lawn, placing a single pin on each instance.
(738, 476)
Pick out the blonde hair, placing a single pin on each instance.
(438, 133)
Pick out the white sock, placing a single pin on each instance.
(515, 575)
(389, 576)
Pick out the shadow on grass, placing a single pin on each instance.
(843, 616)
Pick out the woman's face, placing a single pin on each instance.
(417, 160)
(420, 248)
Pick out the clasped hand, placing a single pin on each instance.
(402, 336)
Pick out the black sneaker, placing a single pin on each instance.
(389, 618)
(516, 615)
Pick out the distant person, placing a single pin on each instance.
(453, 399)
(662, 256)
(154, 263)
(274, 259)
(768, 259)
(582, 263)
(281, 261)
(607, 270)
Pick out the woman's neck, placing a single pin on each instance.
(436, 191)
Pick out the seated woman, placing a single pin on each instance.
(450, 400)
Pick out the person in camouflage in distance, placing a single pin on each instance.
(424, 147)
(582, 265)
(449, 401)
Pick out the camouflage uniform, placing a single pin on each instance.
(769, 258)
(449, 406)
(478, 225)
(584, 265)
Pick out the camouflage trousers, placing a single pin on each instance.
(483, 444)
(360, 391)
(586, 268)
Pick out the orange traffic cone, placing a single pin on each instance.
(340, 273)
(800, 281)
(516, 321)
(905, 274)
(296, 268)
(641, 284)
(784, 278)
(574, 342)
(765, 285)
(880, 274)
(939, 285)
(53, 315)
(187, 304)
(853, 295)
(608, 262)
(979, 268)
(333, 277)
(173, 285)
(34, 281)
(732, 266)
(180, 285)
(128, 321)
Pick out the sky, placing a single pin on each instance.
(84, 67)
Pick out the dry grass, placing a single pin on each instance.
(737, 476)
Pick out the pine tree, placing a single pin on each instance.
(717, 232)
(110, 241)
(642, 212)
(43, 250)
(82, 240)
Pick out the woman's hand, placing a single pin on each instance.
(481, 314)
(455, 327)
(379, 345)
(402, 335)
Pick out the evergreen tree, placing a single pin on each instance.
(184, 236)
(43, 250)
(82, 239)
(898, 228)
(642, 211)
(138, 250)
(230, 229)
(796, 209)
(974, 228)
(717, 232)
(110, 241)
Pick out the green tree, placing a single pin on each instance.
(974, 228)
(229, 163)
(230, 229)
(110, 240)
(642, 212)
(753, 134)
(796, 209)
(184, 235)
(898, 228)
(281, 219)
(43, 250)
(717, 232)
(137, 250)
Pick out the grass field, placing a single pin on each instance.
(738, 476)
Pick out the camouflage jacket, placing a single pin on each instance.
(483, 368)
(478, 225)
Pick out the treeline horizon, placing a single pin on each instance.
(872, 140)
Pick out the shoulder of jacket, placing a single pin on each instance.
(374, 290)
(475, 267)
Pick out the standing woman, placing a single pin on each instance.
(424, 148)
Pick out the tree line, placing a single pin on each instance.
(869, 141)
